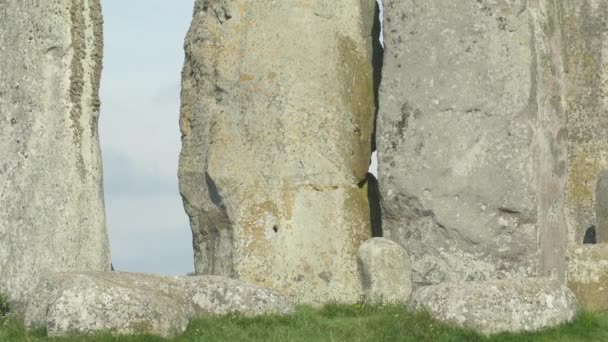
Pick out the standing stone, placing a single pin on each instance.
(276, 121)
(384, 268)
(601, 207)
(585, 29)
(472, 138)
(51, 198)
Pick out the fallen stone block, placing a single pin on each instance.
(384, 268)
(128, 303)
(490, 307)
(588, 275)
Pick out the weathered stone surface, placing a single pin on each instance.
(277, 116)
(601, 207)
(51, 198)
(127, 303)
(472, 138)
(490, 307)
(384, 268)
(588, 275)
(585, 30)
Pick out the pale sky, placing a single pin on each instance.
(139, 132)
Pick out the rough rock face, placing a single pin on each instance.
(384, 268)
(51, 199)
(512, 305)
(601, 207)
(127, 303)
(585, 28)
(472, 138)
(277, 116)
(588, 275)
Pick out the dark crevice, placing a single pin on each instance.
(373, 189)
(214, 195)
(375, 212)
(590, 237)
(377, 61)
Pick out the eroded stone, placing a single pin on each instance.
(128, 303)
(51, 197)
(277, 118)
(585, 30)
(513, 305)
(472, 138)
(588, 275)
(384, 268)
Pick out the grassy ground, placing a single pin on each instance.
(333, 323)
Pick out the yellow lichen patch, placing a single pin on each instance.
(588, 276)
(355, 74)
(246, 77)
(254, 227)
(586, 161)
(583, 172)
(272, 77)
(357, 216)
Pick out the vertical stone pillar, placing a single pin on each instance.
(51, 198)
(586, 56)
(472, 138)
(277, 117)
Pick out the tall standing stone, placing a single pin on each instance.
(472, 138)
(51, 197)
(276, 118)
(586, 58)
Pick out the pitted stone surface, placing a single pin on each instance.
(491, 307)
(276, 121)
(472, 138)
(127, 303)
(51, 197)
(585, 29)
(384, 268)
(588, 275)
(601, 207)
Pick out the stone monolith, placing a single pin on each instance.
(585, 31)
(276, 121)
(51, 198)
(472, 138)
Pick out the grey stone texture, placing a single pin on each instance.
(601, 207)
(585, 30)
(588, 275)
(276, 121)
(384, 268)
(472, 138)
(127, 303)
(51, 197)
(512, 305)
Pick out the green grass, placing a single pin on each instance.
(3, 305)
(333, 323)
